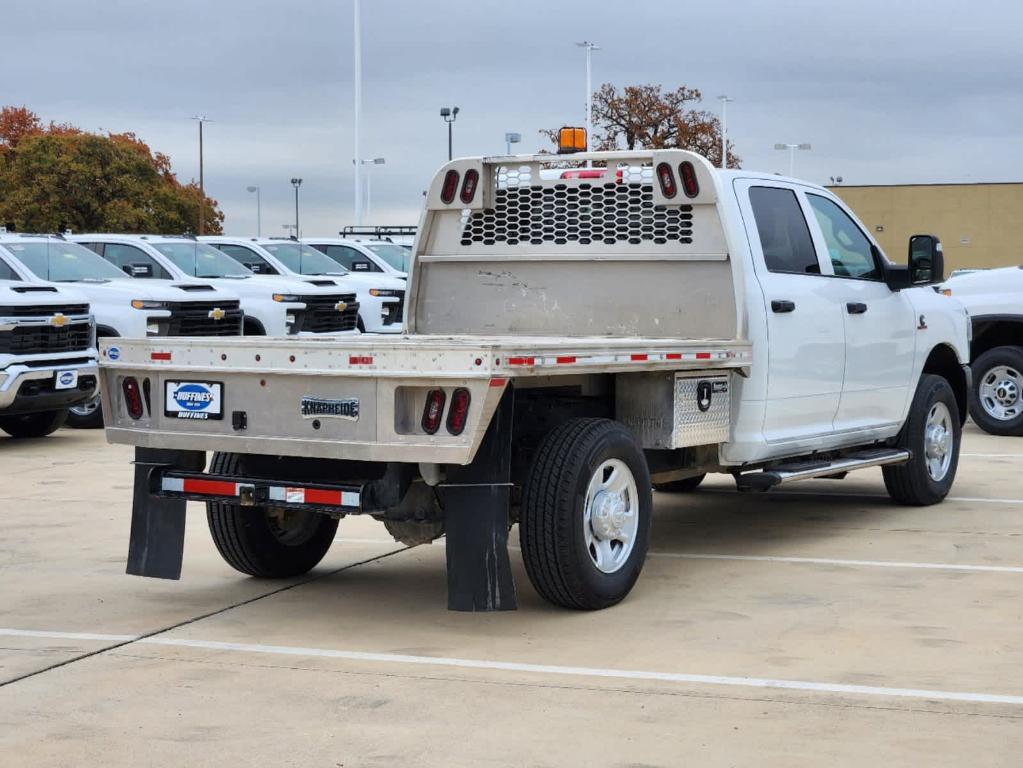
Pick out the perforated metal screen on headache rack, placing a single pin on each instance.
(618, 207)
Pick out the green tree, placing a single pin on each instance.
(59, 175)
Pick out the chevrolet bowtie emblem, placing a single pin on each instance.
(217, 314)
(59, 320)
(341, 306)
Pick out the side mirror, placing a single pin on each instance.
(138, 270)
(360, 266)
(926, 260)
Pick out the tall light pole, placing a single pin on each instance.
(590, 48)
(450, 114)
(202, 187)
(724, 129)
(369, 180)
(357, 90)
(296, 182)
(259, 212)
(792, 154)
(511, 138)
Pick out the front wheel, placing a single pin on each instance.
(584, 525)
(33, 424)
(87, 415)
(263, 541)
(932, 435)
(996, 401)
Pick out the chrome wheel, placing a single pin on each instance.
(939, 441)
(1001, 393)
(611, 515)
(86, 409)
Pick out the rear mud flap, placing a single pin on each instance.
(476, 506)
(157, 541)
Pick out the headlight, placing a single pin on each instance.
(384, 292)
(286, 297)
(146, 304)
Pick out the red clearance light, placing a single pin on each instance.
(447, 190)
(469, 183)
(458, 413)
(160, 356)
(433, 411)
(360, 360)
(689, 183)
(667, 180)
(132, 397)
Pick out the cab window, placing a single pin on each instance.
(784, 235)
(6, 272)
(248, 257)
(351, 259)
(125, 257)
(849, 249)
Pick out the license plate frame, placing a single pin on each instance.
(65, 380)
(206, 398)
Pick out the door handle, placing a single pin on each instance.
(782, 305)
(856, 307)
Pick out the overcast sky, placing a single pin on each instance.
(886, 91)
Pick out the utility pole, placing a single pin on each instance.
(357, 89)
(724, 129)
(590, 48)
(202, 187)
(296, 182)
(450, 114)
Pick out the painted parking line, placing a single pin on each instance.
(839, 562)
(566, 671)
(993, 455)
(970, 499)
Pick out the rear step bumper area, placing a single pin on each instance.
(807, 470)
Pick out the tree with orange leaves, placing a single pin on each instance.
(60, 176)
(648, 117)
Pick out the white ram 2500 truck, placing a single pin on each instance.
(994, 299)
(47, 355)
(610, 335)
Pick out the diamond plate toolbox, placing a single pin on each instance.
(675, 410)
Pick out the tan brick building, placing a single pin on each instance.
(980, 225)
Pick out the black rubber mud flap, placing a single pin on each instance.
(157, 542)
(476, 505)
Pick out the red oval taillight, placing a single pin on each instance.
(132, 397)
(449, 187)
(666, 179)
(689, 183)
(469, 184)
(433, 411)
(458, 413)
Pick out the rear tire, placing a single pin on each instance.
(33, 424)
(584, 525)
(680, 486)
(932, 434)
(996, 398)
(87, 415)
(259, 542)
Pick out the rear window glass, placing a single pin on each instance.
(784, 234)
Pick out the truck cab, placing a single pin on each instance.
(623, 330)
(274, 305)
(381, 296)
(365, 255)
(47, 355)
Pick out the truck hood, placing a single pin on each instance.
(123, 291)
(19, 294)
(374, 280)
(264, 286)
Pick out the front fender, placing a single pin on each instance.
(940, 319)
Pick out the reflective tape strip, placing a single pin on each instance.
(623, 357)
(160, 356)
(173, 484)
(360, 360)
(209, 487)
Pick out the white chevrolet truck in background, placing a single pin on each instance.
(994, 299)
(123, 308)
(611, 333)
(47, 355)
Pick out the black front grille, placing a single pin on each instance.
(197, 318)
(45, 339)
(44, 312)
(321, 314)
(395, 310)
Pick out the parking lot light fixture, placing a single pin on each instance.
(509, 139)
(449, 114)
(296, 183)
(259, 214)
(792, 154)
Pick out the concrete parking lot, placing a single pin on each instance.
(824, 626)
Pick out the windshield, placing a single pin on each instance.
(201, 260)
(394, 255)
(61, 261)
(304, 259)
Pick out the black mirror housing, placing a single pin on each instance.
(897, 277)
(926, 260)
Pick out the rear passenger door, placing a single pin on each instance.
(805, 326)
